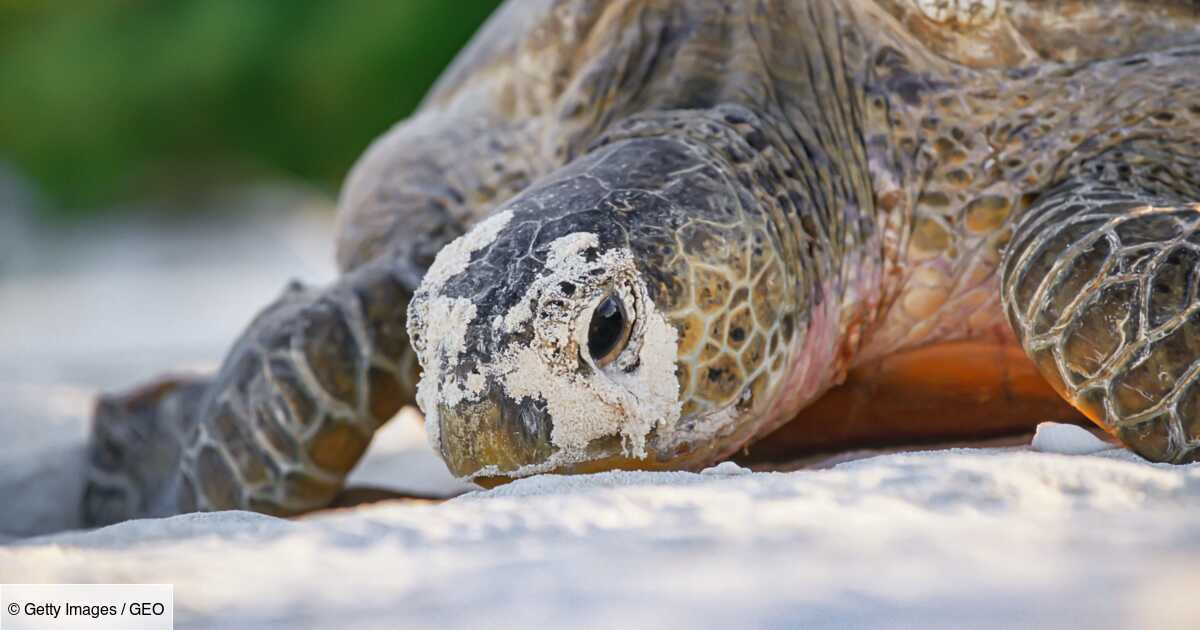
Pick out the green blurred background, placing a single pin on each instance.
(108, 100)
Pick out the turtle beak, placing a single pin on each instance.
(497, 440)
(490, 439)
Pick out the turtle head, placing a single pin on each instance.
(627, 312)
(568, 363)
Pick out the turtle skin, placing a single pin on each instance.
(645, 233)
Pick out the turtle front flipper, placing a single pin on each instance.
(279, 427)
(1102, 285)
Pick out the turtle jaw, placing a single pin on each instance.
(493, 444)
(495, 436)
(498, 439)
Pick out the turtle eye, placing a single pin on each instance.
(608, 332)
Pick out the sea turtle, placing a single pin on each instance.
(645, 233)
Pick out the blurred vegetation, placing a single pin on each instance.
(104, 100)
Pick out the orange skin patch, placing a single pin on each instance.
(945, 392)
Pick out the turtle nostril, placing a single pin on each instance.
(608, 331)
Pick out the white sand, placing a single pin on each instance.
(1067, 439)
(957, 539)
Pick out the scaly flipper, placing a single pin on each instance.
(278, 428)
(1102, 285)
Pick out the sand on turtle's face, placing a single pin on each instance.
(443, 317)
(964, 12)
(629, 398)
(440, 321)
(454, 257)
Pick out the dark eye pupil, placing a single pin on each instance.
(606, 329)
